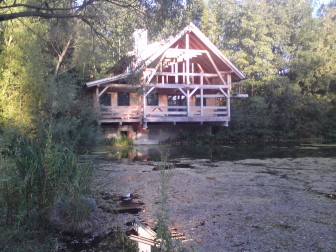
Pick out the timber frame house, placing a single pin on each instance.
(184, 79)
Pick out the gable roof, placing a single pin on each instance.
(198, 40)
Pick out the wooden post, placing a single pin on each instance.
(176, 72)
(228, 98)
(184, 71)
(229, 80)
(228, 103)
(97, 99)
(202, 98)
(144, 107)
(188, 103)
(188, 60)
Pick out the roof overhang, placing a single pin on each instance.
(108, 80)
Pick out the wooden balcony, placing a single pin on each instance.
(163, 114)
(119, 114)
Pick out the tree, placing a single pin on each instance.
(56, 9)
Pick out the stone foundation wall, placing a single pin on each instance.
(155, 133)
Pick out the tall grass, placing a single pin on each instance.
(164, 241)
(33, 177)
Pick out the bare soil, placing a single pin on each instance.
(248, 205)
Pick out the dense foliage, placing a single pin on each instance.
(287, 54)
(288, 57)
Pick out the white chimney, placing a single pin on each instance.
(140, 42)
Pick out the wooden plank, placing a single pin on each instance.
(181, 50)
(192, 92)
(166, 107)
(122, 86)
(215, 67)
(202, 71)
(142, 240)
(103, 91)
(190, 74)
(187, 60)
(239, 95)
(176, 86)
(189, 119)
(211, 96)
(167, 113)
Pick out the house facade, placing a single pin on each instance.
(183, 83)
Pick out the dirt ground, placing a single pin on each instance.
(248, 205)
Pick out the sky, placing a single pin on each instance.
(318, 4)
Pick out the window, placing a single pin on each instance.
(123, 99)
(198, 102)
(105, 99)
(152, 99)
(177, 100)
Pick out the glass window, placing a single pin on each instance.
(105, 99)
(177, 100)
(152, 99)
(123, 99)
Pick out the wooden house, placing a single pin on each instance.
(183, 81)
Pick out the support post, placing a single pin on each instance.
(188, 103)
(144, 107)
(228, 92)
(201, 101)
(229, 80)
(228, 104)
(176, 72)
(97, 99)
(187, 60)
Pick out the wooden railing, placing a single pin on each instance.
(162, 113)
(122, 112)
(182, 111)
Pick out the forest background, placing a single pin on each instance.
(49, 49)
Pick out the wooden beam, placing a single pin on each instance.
(211, 96)
(149, 91)
(228, 104)
(229, 80)
(102, 92)
(188, 102)
(214, 65)
(182, 91)
(188, 60)
(224, 93)
(153, 72)
(188, 119)
(202, 71)
(202, 102)
(191, 86)
(97, 99)
(192, 92)
(190, 74)
(143, 240)
(122, 86)
(176, 51)
(144, 102)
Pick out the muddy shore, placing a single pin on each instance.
(248, 205)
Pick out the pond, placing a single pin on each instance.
(112, 241)
(218, 152)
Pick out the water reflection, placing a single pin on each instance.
(219, 153)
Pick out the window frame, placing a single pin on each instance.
(103, 98)
(123, 99)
